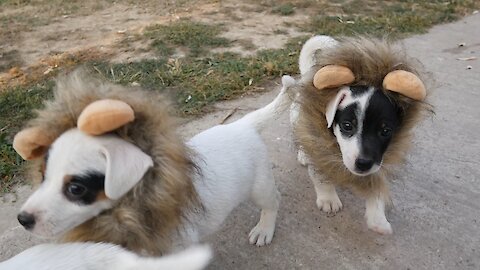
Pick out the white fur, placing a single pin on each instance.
(119, 154)
(343, 96)
(307, 55)
(232, 158)
(302, 157)
(102, 256)
(327, 198)
(294, 116)
(375, 215)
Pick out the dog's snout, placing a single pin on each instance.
(363, 164)
(27, 220)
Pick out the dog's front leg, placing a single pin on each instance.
(327, 197)
(375, 215)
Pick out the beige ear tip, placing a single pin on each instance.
(104, 115)
(422, 93)
(405, 83)
(31, 143)
(332, 76)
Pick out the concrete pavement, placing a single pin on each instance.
(436, 217)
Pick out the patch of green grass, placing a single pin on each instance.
(16, 106)
(284, 9)
(196, 83)
(10, 164)
(197, 37)
(162, 48)
(393, 18)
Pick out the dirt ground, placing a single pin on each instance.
(107, 29)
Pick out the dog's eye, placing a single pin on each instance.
(346, 126)
(386, 132)
(76, 190)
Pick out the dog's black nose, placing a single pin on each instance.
(363, 165)
(27, 220)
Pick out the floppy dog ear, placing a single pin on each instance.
(104, 115)
(405, 83)
(332, 76)
(126, 165)
(32, 143)
(333, 105)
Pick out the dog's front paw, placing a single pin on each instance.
(329, 203)
(379, 225)
(261, 234)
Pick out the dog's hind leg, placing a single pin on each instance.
(266, 196)
(327, 197)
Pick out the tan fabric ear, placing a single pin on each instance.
(332, 76)
(104, 115)
(32, 143)
(405, 83)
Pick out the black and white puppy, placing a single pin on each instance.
(363, 121)
(350, 134)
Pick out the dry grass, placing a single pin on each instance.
(47, 68)
(392, 18)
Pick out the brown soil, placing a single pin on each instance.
(113, 32)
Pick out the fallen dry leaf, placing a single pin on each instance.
(467, 58)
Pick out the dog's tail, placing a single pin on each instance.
(307, 55)
(274, 109)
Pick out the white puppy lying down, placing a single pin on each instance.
(102, 256)
(86, 177)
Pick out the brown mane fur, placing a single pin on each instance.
(146, 217)
(370, 60)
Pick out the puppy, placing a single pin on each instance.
(102, 256)
(356, 105)
(139, 185)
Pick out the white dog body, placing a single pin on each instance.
(233, 166)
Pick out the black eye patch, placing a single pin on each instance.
(85, 188)
(379, 125)
(381, 112)
(346, 118)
